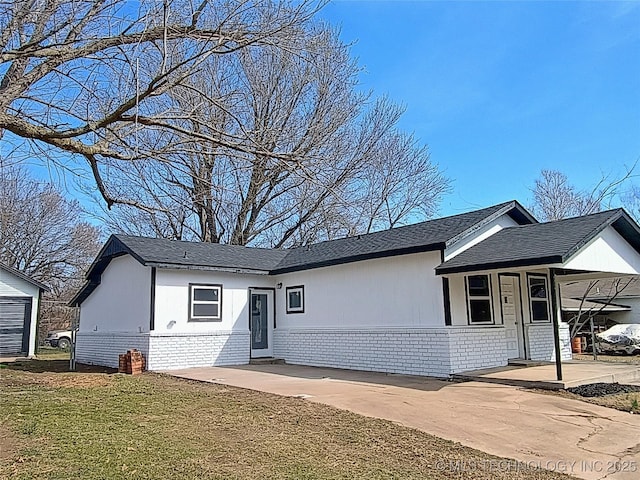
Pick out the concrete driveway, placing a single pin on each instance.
(571, 436)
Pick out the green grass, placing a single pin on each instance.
(59, 425)
(49, 353)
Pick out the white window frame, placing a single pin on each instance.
(299, 289)
(488, 298)
(533, 299)
(193, 302)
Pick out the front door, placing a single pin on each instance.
(512, 315)
(261, 323)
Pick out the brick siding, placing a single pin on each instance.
(430, 351)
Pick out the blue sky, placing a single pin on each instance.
(501, 90)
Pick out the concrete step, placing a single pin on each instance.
(575, 374)
(266, 361)
(520, 362)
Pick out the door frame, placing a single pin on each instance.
(271, 319)
(521, 334)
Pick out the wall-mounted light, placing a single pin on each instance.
(279, 285)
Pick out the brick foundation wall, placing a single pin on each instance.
(475, 347)
(541, 344)
(435, 352)
(170, 351)
(103, 348)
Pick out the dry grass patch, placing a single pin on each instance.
(626, 402)
(156, 426)
(631, 359)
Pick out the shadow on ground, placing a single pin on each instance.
(52, 366)
(254, 375)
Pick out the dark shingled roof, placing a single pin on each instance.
(542, 243)
(24, 277)
(174, 254)
(420, 237)
(159, 252)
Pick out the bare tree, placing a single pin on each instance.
(632, 201)
(41, 233)
(354, 171)
(586, 312)
(85, 78)
(554, 198)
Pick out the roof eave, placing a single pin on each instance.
(580, 245)
(211, 268)
(25, 277)
(358, 258)
(506, 210)
(84, 292)
(525, 262)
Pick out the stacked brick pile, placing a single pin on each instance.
(131, 362)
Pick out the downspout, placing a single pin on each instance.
(152, 302)
(556, 321)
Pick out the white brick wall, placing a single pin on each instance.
(164, 351)
(541, 343)
(169, 351)
(103, 348)
(437, 352)
(476, 347)
(428, 351)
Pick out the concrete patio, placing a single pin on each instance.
(575, 373)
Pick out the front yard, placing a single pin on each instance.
(625, 401)
(56, 424)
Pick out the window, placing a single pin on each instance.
(539, 297)
(479, 299)
(295, 299)
(205, 303)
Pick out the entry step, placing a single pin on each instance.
(520, 362)
(266, 361)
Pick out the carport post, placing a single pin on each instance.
(556, 321)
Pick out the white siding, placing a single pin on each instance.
(121, 303)
(538, 335)
(13, 286)
(178, 343)
(172, 300)
(458, 295)
(608, 252)
(392, 292)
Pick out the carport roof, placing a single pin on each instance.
(575, 305)
(541, 244)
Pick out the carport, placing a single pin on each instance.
(541, 257)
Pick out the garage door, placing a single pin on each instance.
(15, 314)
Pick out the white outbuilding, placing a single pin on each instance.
(19, 312)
